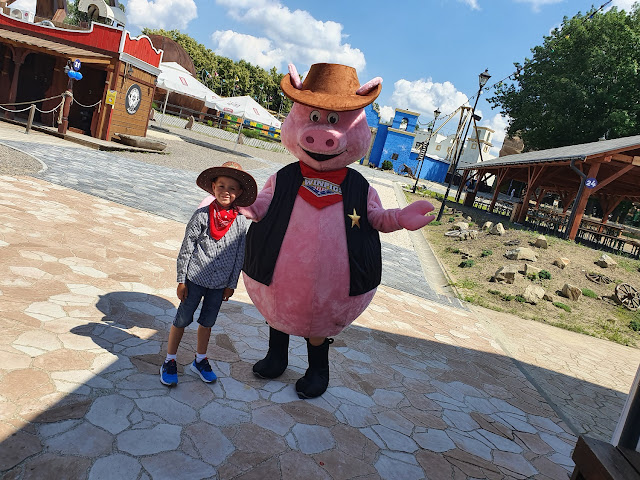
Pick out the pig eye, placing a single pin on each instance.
(333, 118)
(315, 116)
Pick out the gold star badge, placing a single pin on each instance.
(355, 219)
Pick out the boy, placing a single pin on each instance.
(209, 262)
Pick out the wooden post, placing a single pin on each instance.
(461, 186)
(534, 174)
(540, 197)
(32, 112)
(19, 54)
(62, 127)
(581, 203)
(499, 179)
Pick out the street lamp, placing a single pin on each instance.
(424, 147)
(483, 78)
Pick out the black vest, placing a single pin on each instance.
(264, 238)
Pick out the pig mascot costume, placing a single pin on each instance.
(313, 258)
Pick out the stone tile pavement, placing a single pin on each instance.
(420, 389)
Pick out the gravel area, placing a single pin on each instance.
(13, 162)
(194, 151)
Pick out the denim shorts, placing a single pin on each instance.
(210, 306)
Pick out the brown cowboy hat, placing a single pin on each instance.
(235, 171)
(331, 87)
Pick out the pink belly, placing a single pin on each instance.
(309, 293)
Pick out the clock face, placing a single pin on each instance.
(132, 100)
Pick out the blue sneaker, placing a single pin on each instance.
(203, 369)
(169, 373)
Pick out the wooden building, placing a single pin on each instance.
(116, 69)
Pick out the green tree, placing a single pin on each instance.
(581, 84)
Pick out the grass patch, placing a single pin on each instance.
(571, 327)
(466, 283)
(589, 293)
(626, 263)
(504, 296)
(467, 264)
(520, 298)
(544, 274)
(486, 253)
(634, 325)
(532, 276)
(435, 223)
(564, 307)
(452, 250)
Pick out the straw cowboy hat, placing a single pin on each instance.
(331, 87)
(235, 171)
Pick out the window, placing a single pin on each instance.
(403, 124)
(394, 156)
(438, 147)
(473, 146)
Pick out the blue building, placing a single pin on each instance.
(394, 143)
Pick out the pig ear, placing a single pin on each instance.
(370, 85)
(295, 78)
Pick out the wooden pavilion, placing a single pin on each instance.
(608, 170)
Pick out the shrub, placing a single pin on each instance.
(494, 292)
(387, 165)
(452, 250)
(520, 298)
(467, 264)
(634, 325)
(210, 123)
(532, 276)
(452, 219)
(486, 253)
(435, 223)
(589, 293)
(466, 283)
(544, 274)
(561, 305)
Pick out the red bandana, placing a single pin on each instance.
(321, 189)
(220, 220)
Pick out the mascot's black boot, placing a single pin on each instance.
(277, 359)
(316, 379)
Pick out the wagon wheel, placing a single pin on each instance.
(628, 296)
(453, 233)
(599, 278)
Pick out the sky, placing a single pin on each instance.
(428, 53)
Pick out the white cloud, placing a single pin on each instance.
(425, 96)
(258, 51)
(536, 5)
(386, 114)
(623, 4)
(166, 14)
(473, 4)
(301, 39)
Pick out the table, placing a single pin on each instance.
(600, 227)
(598, 460)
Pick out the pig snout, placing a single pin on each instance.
(321, 142)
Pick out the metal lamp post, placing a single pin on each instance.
(424, 147)
(483, 78)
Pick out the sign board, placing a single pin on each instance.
(111, 98)
(590, 182)
(132, 100)
(77, 65)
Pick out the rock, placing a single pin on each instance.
(141, 142)
(521, 253)
(561, 262)
(605, 261)
(469, 219)
(571, 292)
(190, 121)
(497, 229)
(512, 243)
(460, 226)
(548, 297)
(487, 226)
(465, 255)
(541, 242)
(531, 270)
(506, 274)
(511, 146)
(468, 234)
(533, 294)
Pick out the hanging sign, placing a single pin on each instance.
(111, 98)
(590, 182)
(77, 65)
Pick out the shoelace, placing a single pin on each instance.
(171, 367)
(204, 364)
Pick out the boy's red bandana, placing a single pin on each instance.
(321, 189)
(220, 220)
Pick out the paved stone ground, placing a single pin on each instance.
(419, 389)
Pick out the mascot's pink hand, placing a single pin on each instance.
(412, 217)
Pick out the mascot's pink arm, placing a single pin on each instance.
(411, 217)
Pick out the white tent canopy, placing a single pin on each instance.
(245, 107)
(175, 78)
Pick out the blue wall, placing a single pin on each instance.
(401, 144)
(378, 144)
(434, 170)
(372, 116)
(412, 121)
